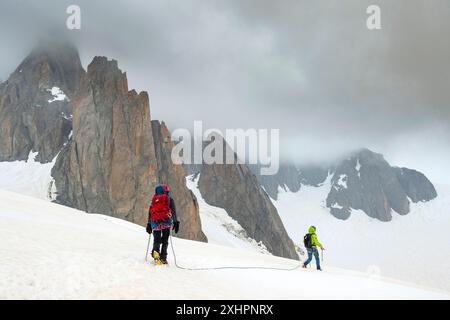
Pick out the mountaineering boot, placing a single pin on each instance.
(304, 266)
(163, 261)
(156, 258)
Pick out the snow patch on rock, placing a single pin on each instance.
(337, 206)
(342, 181)
(66, 116)
(358, 168)
(58, 95)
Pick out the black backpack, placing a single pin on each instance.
(307, 240)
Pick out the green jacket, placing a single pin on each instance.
(314, 241)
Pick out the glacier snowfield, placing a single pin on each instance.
(49, 251)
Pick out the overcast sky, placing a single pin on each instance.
(310, 68)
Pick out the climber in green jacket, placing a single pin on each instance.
(311, 243)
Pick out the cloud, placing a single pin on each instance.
(309, 68)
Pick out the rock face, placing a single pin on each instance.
(235, 188)
(367, 182)
(35, 109)
(416, 185)
(109, 166)
(113, 163)
(174, 176)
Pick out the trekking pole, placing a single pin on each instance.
(148, 246)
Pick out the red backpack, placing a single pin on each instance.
(160, 208)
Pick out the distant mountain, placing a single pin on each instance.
(364, 181)
(287, 177)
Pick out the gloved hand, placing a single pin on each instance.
(149, 228)
(176, 226)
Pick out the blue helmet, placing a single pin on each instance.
(159, 189)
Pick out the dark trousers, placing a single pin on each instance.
(161, 242)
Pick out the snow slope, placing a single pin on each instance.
(29, 177)
(219, 227)
(34, 179)
(413, 248)
(48, 251)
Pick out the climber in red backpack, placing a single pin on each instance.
(162, 216)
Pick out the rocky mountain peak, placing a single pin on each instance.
(51, 64)
(109, 165)
(106, 73)
(117, 155)
(35, 108)
(366, 181)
